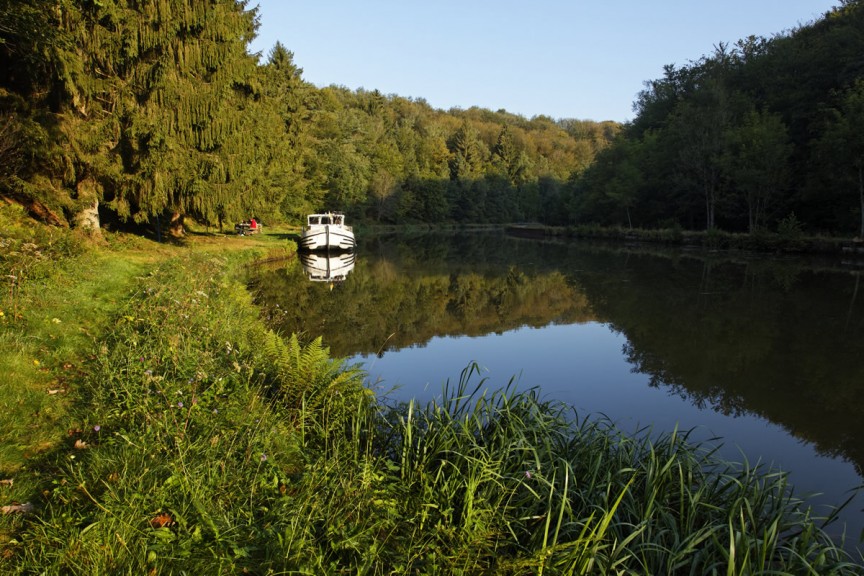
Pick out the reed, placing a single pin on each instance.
(523, 486)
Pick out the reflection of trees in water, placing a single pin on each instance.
(659, 376)
(771, 338)
(398, 297)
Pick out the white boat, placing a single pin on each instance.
(327, 267)
(327, 231)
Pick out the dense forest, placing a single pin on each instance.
(150, 112)
(155, 111)
(760, 135)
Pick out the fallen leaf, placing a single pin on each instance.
(7, 482)
(162, 520)
(80, 444)
(25, 508)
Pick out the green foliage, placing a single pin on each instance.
(790, 227)
(743, 136)
(758, 162)
(841, 148)
(154, 112)
(178, 451)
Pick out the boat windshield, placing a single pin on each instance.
(320, 219)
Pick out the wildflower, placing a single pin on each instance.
(56, 320)
(36, 362)
(97, 428)
(215, 410)
(148, 372)
(180, 404)
(528, 474)
(263, 457)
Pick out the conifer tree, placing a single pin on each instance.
(288, 95)
(156, 109)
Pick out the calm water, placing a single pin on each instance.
(766, 354)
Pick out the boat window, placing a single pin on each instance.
(325, 220)
(313, 220)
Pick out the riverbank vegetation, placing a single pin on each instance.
(189, 437)
(789, 238)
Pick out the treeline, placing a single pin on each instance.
(155, 111)
(762, 135)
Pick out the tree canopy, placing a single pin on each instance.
(744, 138)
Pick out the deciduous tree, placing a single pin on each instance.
(757, 161)
(841, 147)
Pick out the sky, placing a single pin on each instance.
(583, 59)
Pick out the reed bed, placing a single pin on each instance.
(205, 444)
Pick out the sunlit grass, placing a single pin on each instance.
(44, 340)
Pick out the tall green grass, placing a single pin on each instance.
(519, 485)
(203, 443)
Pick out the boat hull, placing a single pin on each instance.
(327, 237)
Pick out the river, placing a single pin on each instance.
(761, 355)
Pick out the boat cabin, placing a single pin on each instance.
(325, 219)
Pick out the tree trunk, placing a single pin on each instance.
(87, 216)
(37, 210)
(710, 204)
(861, 198)
(175, 226)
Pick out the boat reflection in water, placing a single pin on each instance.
(327, 266)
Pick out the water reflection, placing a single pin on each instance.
(327, 266)
(401, 296)
(768, 352)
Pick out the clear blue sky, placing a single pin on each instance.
(583, 59)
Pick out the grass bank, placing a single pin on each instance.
(194, 440)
